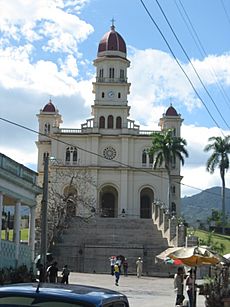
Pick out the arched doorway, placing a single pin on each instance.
(146, 200)
(108, 202)
(71, 197)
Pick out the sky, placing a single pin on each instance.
(180, 48)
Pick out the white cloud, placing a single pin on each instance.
(214, 69)
(47, 20)
(161, 79)
(194, 170)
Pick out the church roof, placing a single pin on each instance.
(112, 41)
(171, 111)
(49, 107)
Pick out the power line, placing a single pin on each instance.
(190, 62)
(201, 48)
(225, 10)
(174, 56)
(96, 154)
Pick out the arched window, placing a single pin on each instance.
(110, 122)
(119, 95)
(173, 189)
(102, 95)
(151, 158)
(45, 154)
(173, 208)
(102, 122)
(111, 73)
(118, 122)
(101, 73)
(144, 157)
(122, 75)
(75, 154)
(71, 155)
(47, 128)
(67, 154)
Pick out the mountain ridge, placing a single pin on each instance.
(199, 206)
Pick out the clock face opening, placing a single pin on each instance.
(111, 94)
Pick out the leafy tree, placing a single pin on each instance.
(71, 194)
(220, 148)
(166, 148)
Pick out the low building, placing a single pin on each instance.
(18, 187)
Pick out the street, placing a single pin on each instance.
(145, 291)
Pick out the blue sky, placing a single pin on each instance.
(47, 49)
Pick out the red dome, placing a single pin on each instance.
(171, 111)
(49, 107)
(112, 41)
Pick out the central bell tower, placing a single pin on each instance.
(110, 109)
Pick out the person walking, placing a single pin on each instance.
(65, 275)
(52, 272)
(190, 287)
(112, 260)
(179, 286)
(139, 265)
(117, 273)
(125, 267)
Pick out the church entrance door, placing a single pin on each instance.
(108, 201)
(108, 205)
(146, 200)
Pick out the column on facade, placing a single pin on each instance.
(124, 193)
(94, 148)
(17, 224)
(1, 208)
(124, 177)
(32, 231)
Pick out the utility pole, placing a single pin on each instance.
(44, 205)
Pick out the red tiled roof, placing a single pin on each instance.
(112, 41)
(49, 107)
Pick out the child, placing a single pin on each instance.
(117, 273)
(65, 275)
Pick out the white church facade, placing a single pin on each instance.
(109, 145)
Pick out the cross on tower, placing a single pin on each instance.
(112, 26)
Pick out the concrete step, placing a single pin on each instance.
(86, 247)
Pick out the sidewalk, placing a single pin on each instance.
(141, 292)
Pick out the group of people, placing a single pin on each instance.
(181, 280)
(51, 274)
(116, 265)
(119, 262)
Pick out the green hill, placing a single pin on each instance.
(199, 206)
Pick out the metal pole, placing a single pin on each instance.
(44, 205)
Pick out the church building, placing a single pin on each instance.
(109, 145)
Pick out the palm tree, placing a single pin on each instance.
(219, 158)
(166, 148)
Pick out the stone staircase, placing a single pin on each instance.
(87, 245)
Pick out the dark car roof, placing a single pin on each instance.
(71, 293)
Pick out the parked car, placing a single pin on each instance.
(59, 295)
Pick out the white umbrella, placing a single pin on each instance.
(227, 256)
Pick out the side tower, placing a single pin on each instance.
(172, 120)
(49, 121)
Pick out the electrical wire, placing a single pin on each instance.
(98, 155)
(225, 10)
(190, 62)
(201, 48)
(174, 56)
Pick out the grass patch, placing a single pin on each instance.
(216, 239)
(24, 234)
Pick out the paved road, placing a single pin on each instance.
(143, 292)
